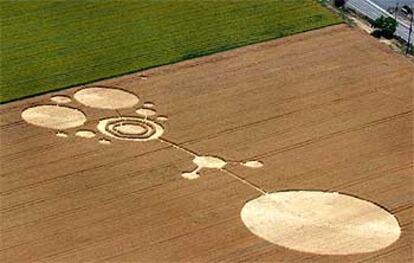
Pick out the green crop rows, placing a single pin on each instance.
(49, 45)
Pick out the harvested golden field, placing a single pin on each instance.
(175, 163)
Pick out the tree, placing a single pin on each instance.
(385, 26)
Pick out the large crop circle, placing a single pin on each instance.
(106, 98)
(320, 222)
(54, 117)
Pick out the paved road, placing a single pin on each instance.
(392, 3)
(373, 11)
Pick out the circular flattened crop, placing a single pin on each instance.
(54, 117)
(320, 222)
(106, 98)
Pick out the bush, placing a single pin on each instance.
(386, 25)
(339, 3)
(376, 33)
(411, 50)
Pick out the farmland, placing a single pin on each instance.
(49, 45)
(328, 110)
(201, 131)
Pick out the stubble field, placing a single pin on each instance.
(327, 110)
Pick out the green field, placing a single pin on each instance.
(49, 45)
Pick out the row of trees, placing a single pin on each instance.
(384, 26)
